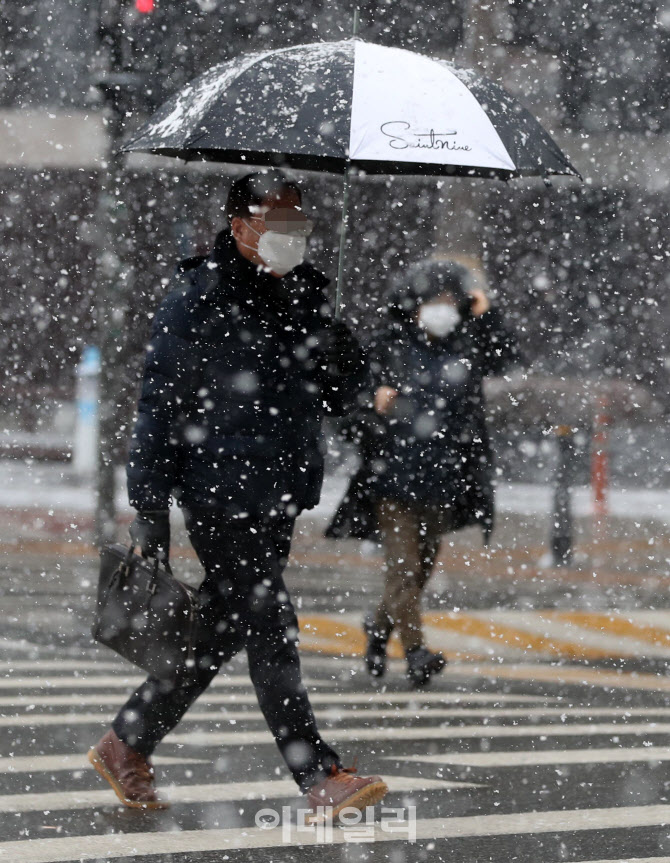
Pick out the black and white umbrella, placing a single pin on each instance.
(331, 106)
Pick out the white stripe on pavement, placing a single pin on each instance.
(544, 756)
(241, 738)
(63, 665)
(53, 801)
(559, 673)
(210, 697)
(75, 761)
(113, 845)
(337, 714)
(116, 681)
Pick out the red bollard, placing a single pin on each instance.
(600, 458)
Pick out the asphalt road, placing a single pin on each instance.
(502, 759)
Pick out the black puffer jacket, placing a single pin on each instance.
(433, 448)
(235, 389)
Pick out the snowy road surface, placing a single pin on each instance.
(548, 738)
(527, 762)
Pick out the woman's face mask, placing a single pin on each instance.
(439, 319)
(281, 251)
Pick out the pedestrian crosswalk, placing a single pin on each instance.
(511, 635)
(69, 761)
(135, 845)
(487, 752)
(517, 758)
(209, 793)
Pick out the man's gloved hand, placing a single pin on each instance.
(151, 531)
(342, 351)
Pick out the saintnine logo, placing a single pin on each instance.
(402, 137)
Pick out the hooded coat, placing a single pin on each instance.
(235, 389)
(433, 448)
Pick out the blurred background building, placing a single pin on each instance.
(582, 269)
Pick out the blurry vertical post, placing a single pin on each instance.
(600, 459)
(120, 74)
(87, 428)
(562, 523)
(108, 266)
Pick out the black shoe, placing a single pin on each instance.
(375, 654)
(422, 664)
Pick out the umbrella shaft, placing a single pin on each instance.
(343, 242)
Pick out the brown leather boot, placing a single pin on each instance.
(130, 774)
(341, 790)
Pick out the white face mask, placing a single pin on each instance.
(439, 319)
(280, 253)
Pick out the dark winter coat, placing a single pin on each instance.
(235, 389)
(433, 448)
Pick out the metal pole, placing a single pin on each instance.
(109, 324)
(343, 240)
(109, 283)
(562, 523)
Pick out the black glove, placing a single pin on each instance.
(151, 531)
(342, 351)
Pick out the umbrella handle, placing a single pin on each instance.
(343, 241)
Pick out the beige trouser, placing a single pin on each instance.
(411, 539)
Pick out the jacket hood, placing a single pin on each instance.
(422, 282)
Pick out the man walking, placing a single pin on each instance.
(244, 362)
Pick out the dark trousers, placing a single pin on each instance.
(245, 604)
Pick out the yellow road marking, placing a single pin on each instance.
(521, 639)
(329, 635)
(337, 637)
(615, 624)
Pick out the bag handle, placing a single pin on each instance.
(157, 563)
(125, 566)
(124, 569)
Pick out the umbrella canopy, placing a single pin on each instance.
(333, 105)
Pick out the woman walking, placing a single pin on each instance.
(427, 460)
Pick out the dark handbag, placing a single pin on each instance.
(145, 614)
(356, 516)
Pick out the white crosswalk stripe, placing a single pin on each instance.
(214, 793)
(462, 732)
(209, 697)
(332, 714)
(609, 755)
(74, 761)
(60, 665)
(113, 681)
(194, 762)
(135, 844)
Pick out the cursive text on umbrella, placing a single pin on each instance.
(403, 138)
